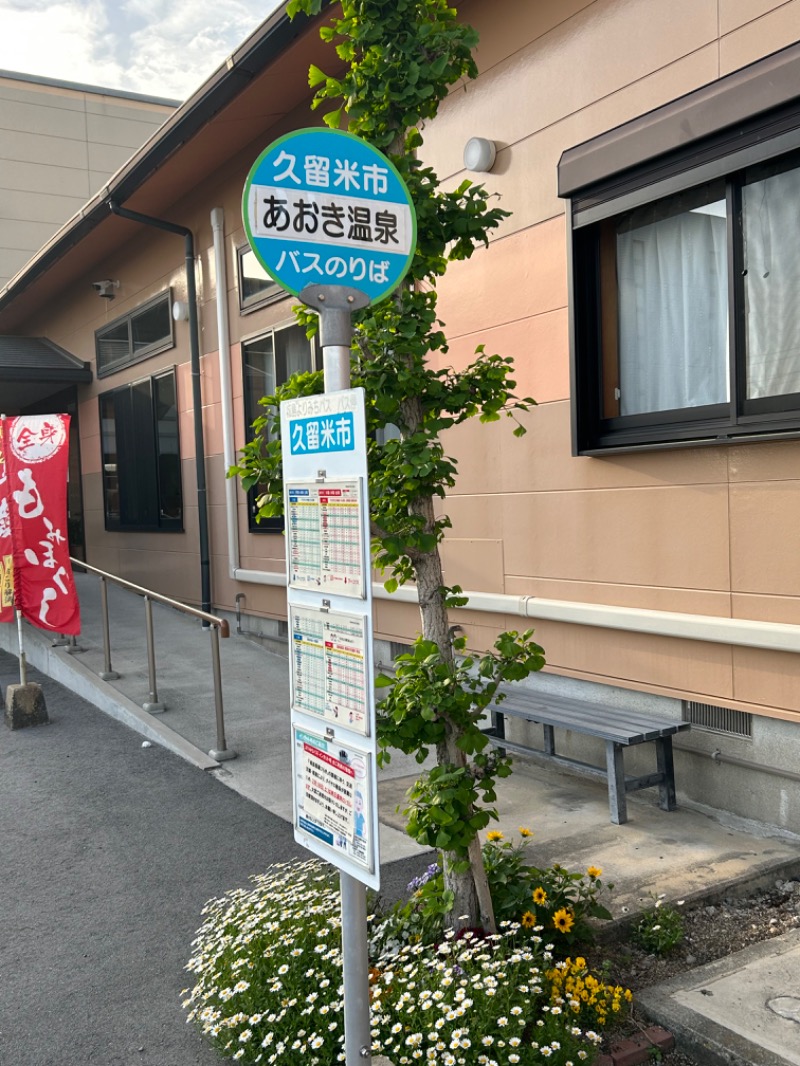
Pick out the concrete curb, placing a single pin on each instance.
(700, 1036)
(61, 666)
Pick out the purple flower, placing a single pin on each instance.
(417, 883)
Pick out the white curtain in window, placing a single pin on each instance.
(772, 284)
(673, 312)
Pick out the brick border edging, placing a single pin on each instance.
(635, 1050)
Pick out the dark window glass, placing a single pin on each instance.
(256, 287)
(269, 361)
(108, 428)
(113, 347)
(141, 459)
(170, 495)
(135, 336)
(151, 327)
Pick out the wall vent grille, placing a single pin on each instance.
(718, 719)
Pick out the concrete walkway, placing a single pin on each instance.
(684, 854)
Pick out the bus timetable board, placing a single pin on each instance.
(335, 809)
(323, 529)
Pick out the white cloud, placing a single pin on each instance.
(56, 40)
(159, 47)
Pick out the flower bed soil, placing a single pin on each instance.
(711, 931)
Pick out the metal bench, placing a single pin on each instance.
(618, 727)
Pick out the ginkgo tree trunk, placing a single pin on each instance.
(399, 60)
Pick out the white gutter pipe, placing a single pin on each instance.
(256, 577)
(225, 388)
(742, 632)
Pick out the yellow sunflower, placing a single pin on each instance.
(563, 920)
(539, 896)
(524, 832)
(594, 871)
(494, 834)
(528, 920)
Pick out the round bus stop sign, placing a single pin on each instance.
(323, 207)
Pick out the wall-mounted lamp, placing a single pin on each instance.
(479, 154)
(180, 311)
(105, 289)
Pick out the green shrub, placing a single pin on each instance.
(267, 964)
(268, 968)
(559, 900)
(659, 929)
(475, 1001)
(554, 900)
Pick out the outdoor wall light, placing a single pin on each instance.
(479, 154)
(180, 311)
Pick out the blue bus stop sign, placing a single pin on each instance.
(323, 207)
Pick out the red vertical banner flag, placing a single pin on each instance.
(36, 452)
(6, 550)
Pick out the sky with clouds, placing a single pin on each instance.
(158, 47)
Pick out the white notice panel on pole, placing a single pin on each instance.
(330, 619)
(323, 529)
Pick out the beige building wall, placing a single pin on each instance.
(705, 531)
(58, 144)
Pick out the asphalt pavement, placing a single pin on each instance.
(109, 852)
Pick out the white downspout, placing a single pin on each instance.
(775, 636)
(256, 577)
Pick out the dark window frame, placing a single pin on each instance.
(251, 409)
(254, 302)
(139, 504)
(133, 356)
(766, 136)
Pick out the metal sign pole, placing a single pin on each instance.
(23, 665)
(324, 204)
(335, 304)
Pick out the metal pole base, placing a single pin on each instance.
(223, 756)
(153, 708)
(109, 675)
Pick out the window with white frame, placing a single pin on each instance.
(268, 361)
(256, 287)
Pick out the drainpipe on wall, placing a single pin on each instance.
(226, 388)
(741, 632)
(197, 398)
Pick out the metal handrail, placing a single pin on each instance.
(218, 626)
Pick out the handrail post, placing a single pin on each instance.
(108, 674)
(219, 627)
(152, 705)
(221, 753)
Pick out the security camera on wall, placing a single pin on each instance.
(105, 288)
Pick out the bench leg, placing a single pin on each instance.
(549, 740)
(666, 766)
(499, 729)
(616, 783)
